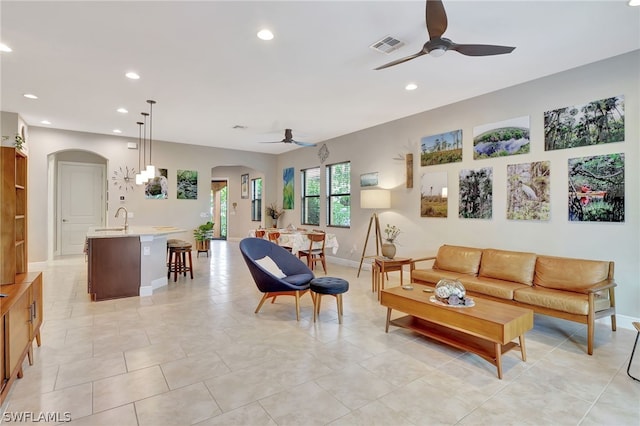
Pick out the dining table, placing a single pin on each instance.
(297, 239)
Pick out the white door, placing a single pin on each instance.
(81, 203)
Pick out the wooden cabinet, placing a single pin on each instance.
(21, 307)
(113, 267)
(21, 311)
(13, 220)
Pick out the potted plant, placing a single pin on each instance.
(203, 234)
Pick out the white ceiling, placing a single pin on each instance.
(207, 70)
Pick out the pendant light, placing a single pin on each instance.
(143, 172)
(151, 170)
(139, 176)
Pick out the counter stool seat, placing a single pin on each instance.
(178, 251)
(330, 286)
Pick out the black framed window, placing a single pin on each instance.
(256, 199)
(310, 196)
(339, 194)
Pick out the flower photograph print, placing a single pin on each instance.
(187, 182)
(594, 123)
(476, 194)
(528, 191)
(442, 148)
(596, 188)
(433, 195)
(508, 137)
(287, 190)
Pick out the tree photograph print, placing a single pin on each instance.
(528, 191)
(596, 188)
(594, 123)
(433, 195)
(476, 194)
(442, 148)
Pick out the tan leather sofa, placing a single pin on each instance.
(572, 289)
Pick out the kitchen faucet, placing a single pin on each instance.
(126, 217)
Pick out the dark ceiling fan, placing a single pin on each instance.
(436, 20)
(288, 138)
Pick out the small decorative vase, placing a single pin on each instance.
(388, 250)
(275, 223)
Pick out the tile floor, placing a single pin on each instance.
(195, 353)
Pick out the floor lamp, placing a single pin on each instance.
(373, 199)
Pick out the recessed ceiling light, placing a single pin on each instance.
(132, 75)
(45, 122)
(5, 48)
(411, 86)
(117, 131)
(30, 96)
(265, 35)
(634, 2)
(122, 110)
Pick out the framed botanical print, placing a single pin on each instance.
(244, 186)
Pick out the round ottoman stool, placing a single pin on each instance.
(328, 285)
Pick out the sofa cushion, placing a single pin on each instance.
(505, 265)
(565, 273)
(491, 287)
(559, 300)
(465, 260)
(432, 276)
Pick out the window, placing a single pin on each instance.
(256, 199)
(310, 196)
(339, 194)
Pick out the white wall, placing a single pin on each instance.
(172, 156)
(373, 150)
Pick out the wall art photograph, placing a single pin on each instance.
(369, 179)
(594, 123)
(187, 184)
(442, 148)
(158, 187)
(244, 186)
(528, 191)
(433, 195)
(596, 188)
(476, 194)
(508, 137)
(287, 190)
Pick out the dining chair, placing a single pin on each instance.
(274, 237)
(260, 233)
(314, 255)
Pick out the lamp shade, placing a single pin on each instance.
(375, 199)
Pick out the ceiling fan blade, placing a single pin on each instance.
(481, 49)
(436, 18)
(401, 60)
(304, 143)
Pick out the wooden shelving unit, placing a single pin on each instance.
(21, 308)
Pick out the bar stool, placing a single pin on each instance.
(178, 251)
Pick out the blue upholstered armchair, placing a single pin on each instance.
(275, 271)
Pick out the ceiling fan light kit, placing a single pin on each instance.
(436, 22)
(288, 138)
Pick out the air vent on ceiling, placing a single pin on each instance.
(387, 45)
(239, 126)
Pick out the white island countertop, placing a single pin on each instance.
(133, 231)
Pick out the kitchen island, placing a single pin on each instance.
(126, 263)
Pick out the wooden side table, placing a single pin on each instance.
(381, 266)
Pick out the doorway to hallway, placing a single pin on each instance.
(219, 208)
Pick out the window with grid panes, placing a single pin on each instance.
(256, 199)
(310, 196)
(339, 194)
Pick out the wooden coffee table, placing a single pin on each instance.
(486, 329)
